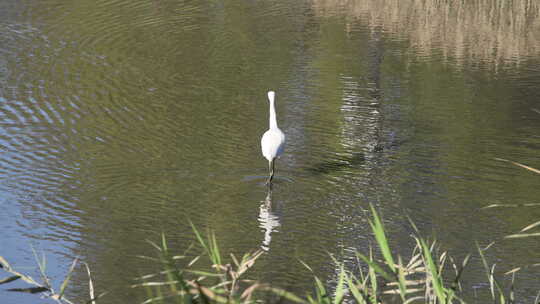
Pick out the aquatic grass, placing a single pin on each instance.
(380, 237)
(442, 294)
(497, 292)
(423, 277)
(210, 245)
(66, 280)
(93, 297)
(376, 278)
(422, 273)
(223, 283)
(15, 275)
(174, 276)
(519, 165)
(420, 279)
(45, 288)
(456, 284)
(520, 234)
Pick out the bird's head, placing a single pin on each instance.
(271, 96)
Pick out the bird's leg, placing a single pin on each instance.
(271, 169)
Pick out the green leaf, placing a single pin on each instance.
(10, 279)
(401, 281)
(66, 280)
(37, 289)
(432, 269)
(380, 236)
(375, 267)
(340, 288)
(358, 297)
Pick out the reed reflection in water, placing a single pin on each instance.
(474, 32)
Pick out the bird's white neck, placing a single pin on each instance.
(273, 121)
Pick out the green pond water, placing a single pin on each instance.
(120, 120)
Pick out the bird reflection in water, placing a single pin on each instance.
(269, 219)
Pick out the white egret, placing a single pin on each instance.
(273, 140)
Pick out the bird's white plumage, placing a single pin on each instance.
(272, 143)
(273, 140)
(271, 95)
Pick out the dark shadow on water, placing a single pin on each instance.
(338, 163)
(391, 143)
(356, 159)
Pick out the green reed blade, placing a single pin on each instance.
(380, 237)
(432, 270)
(66, 280)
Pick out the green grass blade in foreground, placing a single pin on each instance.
(455, 283)
(320, 291)
(493, 283)
(401, 281)
(199, 237)
(356, 293)
(322, 295)
(37, 289)
(9, 279)
(375, 267)
(340, 288)
(373, 278)
(42, 265)
(7, 267)
(216, 256)
(66, 280)
(173, 274)
(432, 270)
(211, 248)
(382, 241)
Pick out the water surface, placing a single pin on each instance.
(120, 120)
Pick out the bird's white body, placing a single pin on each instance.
(272, 143)
(273, 140)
